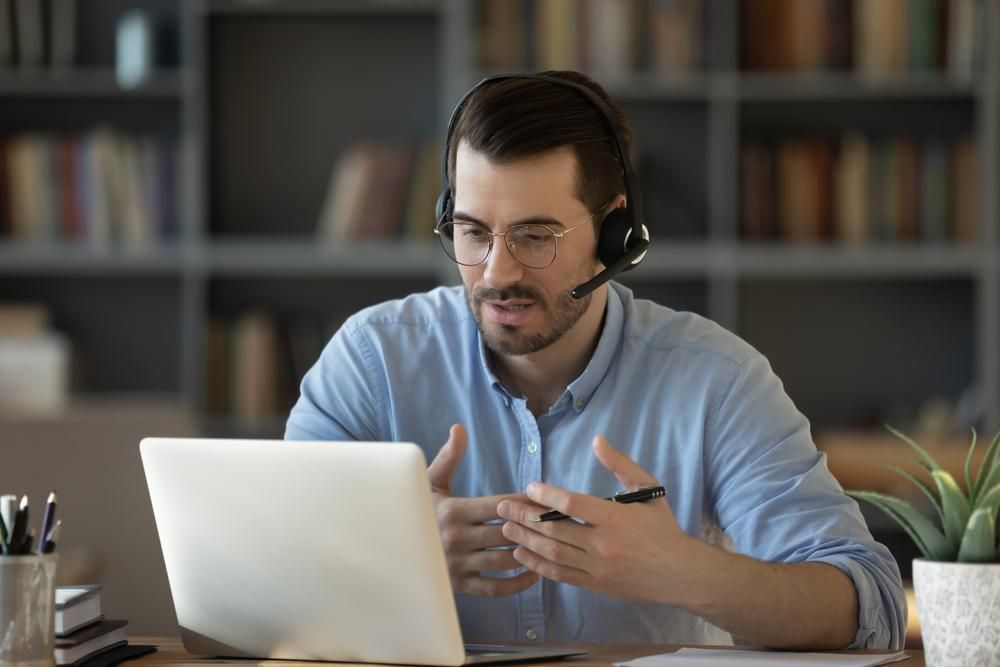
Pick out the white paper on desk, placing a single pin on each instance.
(699, 657)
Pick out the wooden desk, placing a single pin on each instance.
(599, 655)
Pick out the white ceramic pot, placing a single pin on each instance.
(959, 608)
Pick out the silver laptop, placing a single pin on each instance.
(308, 551)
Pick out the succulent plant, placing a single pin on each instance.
(968, 529)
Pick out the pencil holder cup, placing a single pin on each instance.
(27, 610)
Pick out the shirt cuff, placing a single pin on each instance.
(881, 603)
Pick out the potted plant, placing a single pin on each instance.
(957, 582)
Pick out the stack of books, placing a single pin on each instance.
(82, 632)
(862, 189)
(100, 188)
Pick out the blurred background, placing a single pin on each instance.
(194, 195)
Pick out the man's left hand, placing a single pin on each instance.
(634, 551)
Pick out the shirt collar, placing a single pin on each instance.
(582, 388)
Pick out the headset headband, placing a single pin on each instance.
(632, 200)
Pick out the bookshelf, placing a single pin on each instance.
(265, 95)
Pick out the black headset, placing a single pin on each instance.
(623, 239)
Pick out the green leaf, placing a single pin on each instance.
(931, 542)
(987, 472)
(989, 501)
(928, 459)
(969, 483)
(991, 481)
(979, 541)
(954, 504)
(923, 486)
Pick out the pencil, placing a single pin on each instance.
(47, 518)
(53, 537)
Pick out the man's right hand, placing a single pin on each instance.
(468, 541)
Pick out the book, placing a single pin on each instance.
(965, 190)
(757, 182)
(675, 35)
(254, 373)
(853, 177)
(23, 319)
(77, 607)
(88, 641)
(934, 164)
(501, 41)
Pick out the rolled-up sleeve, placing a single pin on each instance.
(774, 496)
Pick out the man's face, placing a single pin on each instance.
(520, 310)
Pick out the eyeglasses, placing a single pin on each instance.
(533, 245)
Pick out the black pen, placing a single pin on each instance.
(19, 529)
(29, 539)
(624, 497)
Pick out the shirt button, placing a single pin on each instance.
(531, 634)
(532, 447)
(580, 403)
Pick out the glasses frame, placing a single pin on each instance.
(557, 235)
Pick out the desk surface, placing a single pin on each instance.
(599, 655)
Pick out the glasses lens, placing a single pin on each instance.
(532, 245)
(465, 242)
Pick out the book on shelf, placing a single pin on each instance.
(380, 191)
(255, 361)
(77, 607)
(104, 635)
(34, 34)
(860, 189)
(101, 188)
(23, 319)
(874, 39)
(605, 37)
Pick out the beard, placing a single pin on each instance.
(558, 318)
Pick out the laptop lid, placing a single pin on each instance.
(308, 551)
(303, 550)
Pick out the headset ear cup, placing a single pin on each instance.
(614, 231)
(443, 200)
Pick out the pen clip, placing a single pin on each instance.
(641, 488)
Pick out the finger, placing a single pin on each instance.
(525, 515)
(589, 508)
(493, 560)
(553, 550)
(628, 472)
(464, 539)
(496, 586)
(468, 511)
(546, 568)
(443, 466)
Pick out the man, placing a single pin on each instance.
(558, 402)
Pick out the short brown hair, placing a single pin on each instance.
(521, 117)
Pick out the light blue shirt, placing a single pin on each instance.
(694, 405)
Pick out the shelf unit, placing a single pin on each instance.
(270, 91)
